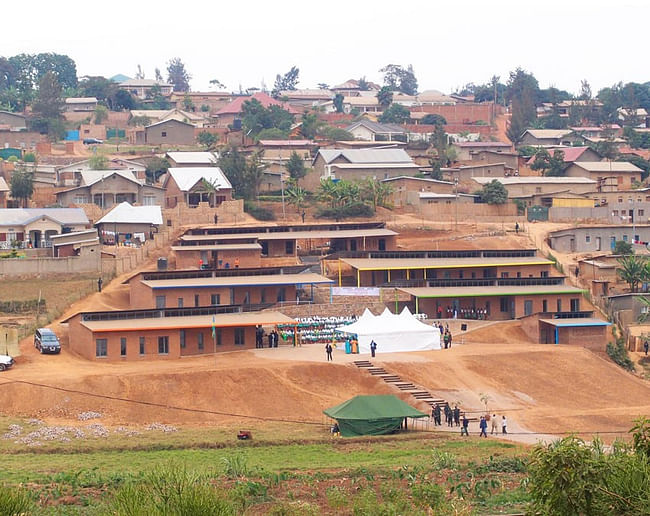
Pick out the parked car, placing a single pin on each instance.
(6, 362)
(92, 141)
(46, 341)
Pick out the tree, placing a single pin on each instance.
(585, 90)
(623, 248)
(336, 134)
(188, 105)
(632, 271)
(323, 86)
(549, 165)
(244, 175)
(272, 134)
(363, 84)
(98, 162)
(338, 102)
(522, 91)
(207, 139)
(395, 114)
(255, 118)
(140, 120)
(400, 79)
(311, 125)
(101, 114)
(156, 168)
(216, 83)
(385, 97)
(177, 75)
(123, 100)
(158, 76)
(433, 119)
(296, 196)
(376, 192)
(49, 103)
(21, 185)
(103, 89)
(285, 82)
(254, 174)
(494, 193)
(296, 166)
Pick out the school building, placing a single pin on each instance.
(166, 333)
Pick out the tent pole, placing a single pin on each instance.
(339, 272)
(417, 305)
(358, 277)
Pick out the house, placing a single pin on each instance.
(546, 137)
(169, 132)
(142, 88)
(577, 329)
(403, 186)
(192, 159)
(35, 226)
(206, 102)
(106, 188)
(4, 192)
(127, 223)
(276, 153)
(359, 164)
(160, 115)
(594, 238)
(351, 88)
(307, 98)
(188, 185)
(526, 187)
(610, 175)
(572, 154)
(167, 334)
(70, 175)
(465, 173)
(12, 121)
(229, 114)
(465, 150)
(76, 243)
(374, 131)
(434, 98)
(80, 104)
(510, 159)
(256, 286)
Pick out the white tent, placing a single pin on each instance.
(393, 333)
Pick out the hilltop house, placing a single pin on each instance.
(374, 131)
(610, 175)
(141, 88)
(35, 226)
(188, 185)
(230, 115)
(127, 223)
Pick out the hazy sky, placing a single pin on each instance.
(247, 42)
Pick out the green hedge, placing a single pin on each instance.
(258, 212)
(357, 209)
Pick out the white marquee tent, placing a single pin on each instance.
(393, 333)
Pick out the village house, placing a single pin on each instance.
(510, 159)
(571, 154)
(547, 137)
(580, 328)
(466, 173)
(168, 333)
(242, 286)
(230, 115)
(169, 132)
(192, 159)
(34, 227)
(610, 175)
(106, 188)
(129, 224)
(403, 186)
(351, 88)
(12, 121)
(70, 175)
(306, 98)
(77, 243)
(276, 154)
(527, 187)
(594, 238)
(359, 164)
(192, 185)
(142, 88)
(207, 102)
(84, 104)
(465, 150)
(155, 116)
(374, 131)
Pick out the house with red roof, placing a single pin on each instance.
(227, 115)
(572, 154)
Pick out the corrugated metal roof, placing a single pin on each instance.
(536, 180)
(441, 263)
(90, 177)
(235, 281)
(608, 166)
(199, 158)
(369, 156)
(299, 235)
(22, 216)
(124, 213)
(376, 127)
(216, 247)
(187, 177)
(523, 290)
(549, 133)
(80, 100)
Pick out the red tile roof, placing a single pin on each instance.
(571, 154)
(235, 107)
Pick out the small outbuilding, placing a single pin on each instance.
(371, 415)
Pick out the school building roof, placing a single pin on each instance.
(378, 264)
(574, 322)
(514, 290)
(239, 281)
(290, 235)
(216, 247)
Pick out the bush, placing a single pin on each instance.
(15, 501)
(29, 157)
(428, 494)
(619, 355)
(257, 211)
(357, 209)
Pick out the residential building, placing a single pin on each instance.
(350, 88)
(510, 159)
(86, 104)
(34, 227)
(12, 121)
(155, 116)
(70, 175)
(610, 175)
(192, 159)
(166, 334)
(129, 224)
(276, 154)
(307, 98)
(373, 131)
(77, 243)
(206, 102)
(230, 115)
(465, 150)
(585, 239)
(525, 187)
(169, 132)
(192, 185)
(403, 186)
(359, 164)
(466, 173)
(571, 154)
(546, 137)
(106, 188)
(142, 88)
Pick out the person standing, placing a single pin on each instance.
(450, 339)
(504, 425)
(456, 416)
(517, 227)
(446, 339)
(216, 219)
(373, 348)
(270, 338)
(645, 344)
(100, 282)
(463, 429)
(438, 415)
(303, 216)
(494, 428)
(328, 351)
(483, 426)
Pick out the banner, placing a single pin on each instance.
(355, 291)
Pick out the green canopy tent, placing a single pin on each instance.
(371, 415)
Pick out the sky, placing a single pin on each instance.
(248, 43)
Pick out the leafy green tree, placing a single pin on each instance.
(98, 162)
(549, 165)
(188, 105)
(217, 84)
(398, 78)
(311, 124)
(395, 114)
(233, 163)
(338, 102)
(272, 134)
(296, 166)
(632, 271)
(255, 118)
(178, 75)
(49, 103)
(623, 248)
(385, 96)
(29, 157)
(433, 119)
(21, 185)
(336, 134)
(101, 114)
(494, 193)
(139, 121)
(207, 139)
(101, 88)
(254, 174)
(522, 92)
(285, 82)
(123, 100)
(376, 192)
(297, 197)
(156, 168)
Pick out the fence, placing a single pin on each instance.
(128, 258)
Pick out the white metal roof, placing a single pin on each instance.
(124, 213)
(187, 177)
(607, 166)
(81, 100)
(546, 180)
(90, 177)
(22, 216)
(373, 156)
(198, 158)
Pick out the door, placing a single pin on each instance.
(572, 245)
(598, 243)
(528, 307)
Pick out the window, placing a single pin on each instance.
(473, 275)
(80, 199)
(641, 213)
(288, 247)
(624, 238)
(196, 300)
(636, 238)
(588, 239)
(215, 299)
(199, 341)
(263, 295)
(163, 134)
(239, 336)
(460, 274)
(382, 244)
(142, 345)
(149, 200)
(101, 348)
(122, 346)
(160, 302)
(620, 199)
(282, 295)
(447, 274)
(544, 274)
(353, 245)
(615, 213)
(180, 302)
(575, 304)
(505, 274)
(559, 305)
(218, 336)
(528, 306)
(544, 305)
(182, 338)
(503, 302)
(163, 345)
(519, 274)
(538, 189)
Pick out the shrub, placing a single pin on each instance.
(29, 157)
(428, 494)
(257, 211)
(235, 466)
(619, 355)
(337, 497)
(443, 460)
(15, 501)
(357, 209)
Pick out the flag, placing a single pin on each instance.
(214, 328)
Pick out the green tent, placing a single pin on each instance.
(371, 415)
